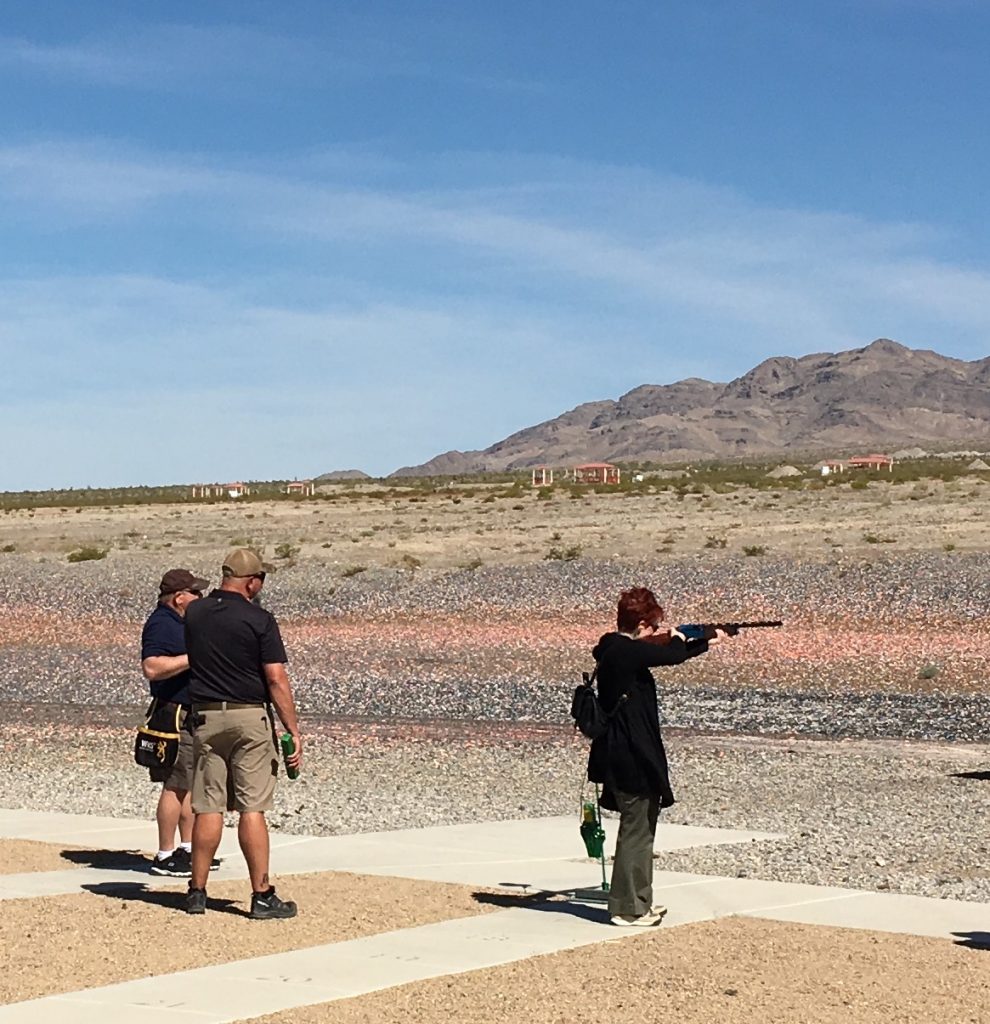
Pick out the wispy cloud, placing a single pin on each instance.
(451, 315)
(180, 58)
(660, 242)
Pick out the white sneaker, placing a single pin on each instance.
(654, 917)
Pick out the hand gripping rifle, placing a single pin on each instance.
(706, 630)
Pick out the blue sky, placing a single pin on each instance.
(259, 240)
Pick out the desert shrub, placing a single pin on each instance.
(544, 494)
(286, 550)
(859, 485)
(410, 562)
(716, 542)
(949, 546)
(754, 550)
(471, 564)
(8, 548)
(87, 554)
(567, 554)
(488, 499)
(928, 671)
(353, 570)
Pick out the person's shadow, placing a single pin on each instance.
(172, 900)
(973, 940)
(978, 776)
(545, 901)
(108, 860)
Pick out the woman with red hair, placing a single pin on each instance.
(629, 760)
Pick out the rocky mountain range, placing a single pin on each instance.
(883, 396)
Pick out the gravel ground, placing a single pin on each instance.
(888, 816)
(436, 697)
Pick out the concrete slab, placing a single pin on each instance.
(527, 855)
(70, 1010)
(888, 912)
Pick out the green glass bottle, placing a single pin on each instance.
(288, 748)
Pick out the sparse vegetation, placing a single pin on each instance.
(88, 554)
(754, 550)
(567, 554)
(353, 570)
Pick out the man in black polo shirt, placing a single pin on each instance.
(237, 663)
(166, 667)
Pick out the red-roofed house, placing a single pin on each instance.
(871, 462)
(597, 473)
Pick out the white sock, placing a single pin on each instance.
(165, 854)
(186, 846)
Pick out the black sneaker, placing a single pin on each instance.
(185, 857)
(176, 864)
(196, 901)
(265, 905)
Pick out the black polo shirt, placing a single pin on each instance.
(163, 635)
(229, 641)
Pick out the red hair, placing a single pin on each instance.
(635, 606)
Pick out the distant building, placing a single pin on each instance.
(542, 476)
(830, 466)
(597, 473)
(876, 462)
(301, 488)
(234, 490)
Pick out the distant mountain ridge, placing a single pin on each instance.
(882, 396)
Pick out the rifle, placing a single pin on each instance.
(706, 630)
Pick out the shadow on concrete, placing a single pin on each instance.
(139, 892)
(109, 860)
(979, 776)
(547, 902)
(973, 940)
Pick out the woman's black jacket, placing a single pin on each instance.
(630, 756)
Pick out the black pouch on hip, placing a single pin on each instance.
(157, 742)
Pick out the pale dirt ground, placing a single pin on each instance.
(57, 944)
(727, 971)
(447, 529)
(18, 856)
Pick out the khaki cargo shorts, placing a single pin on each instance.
(234, 750)
(180, 775)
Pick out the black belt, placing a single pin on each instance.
(224, 705)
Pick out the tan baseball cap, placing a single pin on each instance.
(243, 562)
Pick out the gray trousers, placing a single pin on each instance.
(631, 889)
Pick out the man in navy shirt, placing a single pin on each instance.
(166, 667)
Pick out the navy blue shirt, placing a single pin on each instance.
(164, 634)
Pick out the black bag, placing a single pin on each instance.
(157, 742)
(590, 718)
